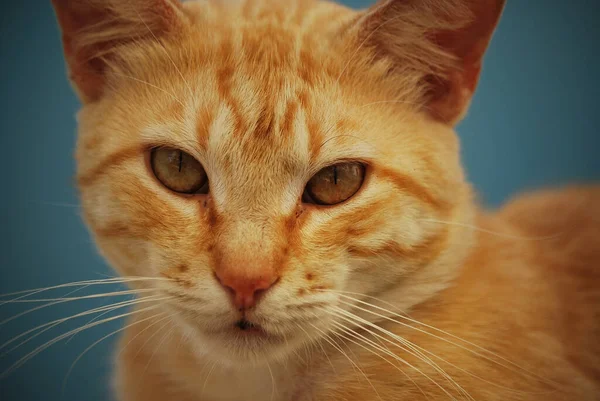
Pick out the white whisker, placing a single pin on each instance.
(148, 340)
(52, 324)
(48, 344)
(411, 349)
(206, 378)
(116, 280)
(397, 367)
(272, 380)
(331, 342)
(162, 341)
(66, 379)
(320, 345)
(69, 299)
(441, 338)
(56, 301)
(140, 333)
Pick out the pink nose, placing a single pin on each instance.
(246, 291)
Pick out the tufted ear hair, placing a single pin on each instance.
(442, 40)
(92, 30)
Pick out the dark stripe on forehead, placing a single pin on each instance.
(224, 86)
(205, 117)
(265, 123)
(316, 137)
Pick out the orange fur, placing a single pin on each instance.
(264, 94)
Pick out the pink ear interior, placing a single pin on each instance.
(443, 39)
(468, 45)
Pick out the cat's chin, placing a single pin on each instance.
(240, 344)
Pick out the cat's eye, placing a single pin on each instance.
(335, 184)
(178, 171)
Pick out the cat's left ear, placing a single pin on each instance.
(93, 30)
(442, 40)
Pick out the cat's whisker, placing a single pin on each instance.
(141, 348)
(384, 345)
(411, 348)
(391, 363)
(70, 299)
(48, 344)
(122, 349)
(57, 301)
(99, 316)
(206, 378)
(423, 350)
(76, 290)
(160, 343)
(373, 348)
(272, 380)
(116, 280)
(494, 233)
(410, 351)
(52, 324)
(320, 345)
(520, 368)
(337, 347)
(297, 354)
(156, 348)
(404, 315)
(66, 379)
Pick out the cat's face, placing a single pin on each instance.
(266, 169)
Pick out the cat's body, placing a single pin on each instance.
(285, 179)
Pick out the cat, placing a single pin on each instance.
(283, 180)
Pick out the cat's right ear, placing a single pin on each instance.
(438, 43)
(93, 30)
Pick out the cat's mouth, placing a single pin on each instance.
(245, 325)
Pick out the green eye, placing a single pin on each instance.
(178, 171)
(335, 184)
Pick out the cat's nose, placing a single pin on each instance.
(246, 290)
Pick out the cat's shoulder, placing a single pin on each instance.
(566, 220)
(562, 231)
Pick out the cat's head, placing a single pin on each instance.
(267, 162)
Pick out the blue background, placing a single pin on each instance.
(534, 123)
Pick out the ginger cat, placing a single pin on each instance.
(284, 179)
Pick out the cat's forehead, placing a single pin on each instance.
(257, 140)
(252, 92)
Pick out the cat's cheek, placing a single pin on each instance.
(128, 256)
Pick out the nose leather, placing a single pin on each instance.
(246, 289)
